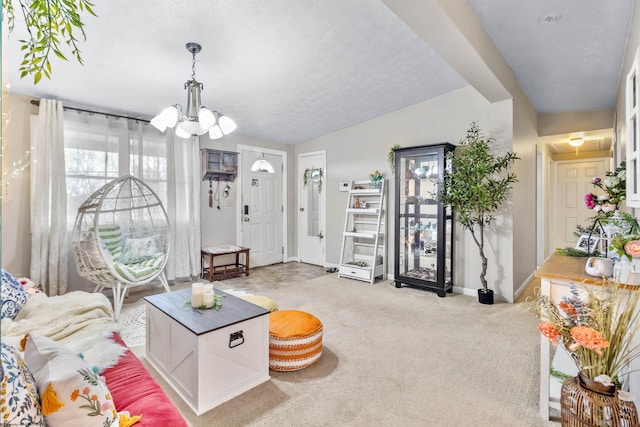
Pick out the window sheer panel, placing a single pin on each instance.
(99, 149)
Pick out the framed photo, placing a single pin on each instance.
(587, 242)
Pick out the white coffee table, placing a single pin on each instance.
(207, 356)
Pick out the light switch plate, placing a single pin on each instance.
(345, 186)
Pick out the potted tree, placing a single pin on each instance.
(475, 187)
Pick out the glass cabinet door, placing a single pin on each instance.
(424, 228)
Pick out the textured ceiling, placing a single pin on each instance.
(567, 55)
(292, 70)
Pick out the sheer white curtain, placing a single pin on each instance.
(183, 197)
(49, 251)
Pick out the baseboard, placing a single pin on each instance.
(524, 285)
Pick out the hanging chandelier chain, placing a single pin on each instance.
(193, 66)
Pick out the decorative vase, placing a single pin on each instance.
(485, 297)
(587, 403)
(622, 270)
(377, 183)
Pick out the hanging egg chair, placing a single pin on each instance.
(121, 238)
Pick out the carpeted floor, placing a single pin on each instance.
(392, 357)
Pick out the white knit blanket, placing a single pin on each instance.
(81, 321)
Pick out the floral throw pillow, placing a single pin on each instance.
(71, 392)
(19, 400)
(13, 296)
(137, 250)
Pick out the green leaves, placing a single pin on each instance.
(475, 186)
(478, 182)
(48, 22)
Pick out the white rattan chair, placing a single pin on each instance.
(121, 238)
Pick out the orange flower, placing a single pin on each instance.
(547, 329)
(588, 338)
(94, 397)
(570, 309)
(75, 394)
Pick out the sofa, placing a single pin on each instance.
(64, 364)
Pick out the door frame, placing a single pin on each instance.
(240, 148)
(553, 183)
(323, 203)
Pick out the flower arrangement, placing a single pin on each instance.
(595, 327)
(615, 191)
(376, 175)
(626, 245)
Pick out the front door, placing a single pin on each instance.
(261, 207)
(573, 182)
(311, 218)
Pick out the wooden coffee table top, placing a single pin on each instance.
(233, 310)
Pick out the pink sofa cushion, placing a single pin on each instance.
(134, 389)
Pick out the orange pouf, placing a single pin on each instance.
(295, 340)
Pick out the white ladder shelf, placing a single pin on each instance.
(363, 256)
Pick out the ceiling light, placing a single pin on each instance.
(198, 119)
(576, 142)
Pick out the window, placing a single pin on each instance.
(100, 148)
(633, 134)
(262, 166)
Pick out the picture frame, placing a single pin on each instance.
(587, 242)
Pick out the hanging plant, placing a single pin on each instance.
(50, 25)
(392, 157)
(313, 173)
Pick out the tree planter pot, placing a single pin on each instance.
(485, 297)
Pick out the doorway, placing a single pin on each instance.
(312, 210)
(262, 220)
(570, 183)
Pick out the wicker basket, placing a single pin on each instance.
(584, 403)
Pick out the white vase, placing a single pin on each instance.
(622, 270)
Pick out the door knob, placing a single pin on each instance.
(320, 236)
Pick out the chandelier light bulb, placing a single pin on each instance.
(227, 125)
(215, 132)
(206, 118)
(198, 120)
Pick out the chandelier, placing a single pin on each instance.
(198, 119)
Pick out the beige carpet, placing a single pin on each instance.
(395, 357)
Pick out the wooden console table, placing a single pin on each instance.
(214, 272)
(556, 274)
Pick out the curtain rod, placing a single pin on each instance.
(83, 110)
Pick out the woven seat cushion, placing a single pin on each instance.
(295, 340)
(262, 301)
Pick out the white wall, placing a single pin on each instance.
(16, 204)
(220, 226)
(354, 152)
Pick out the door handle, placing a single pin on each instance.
(320, 236)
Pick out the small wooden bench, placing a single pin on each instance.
(214, 272)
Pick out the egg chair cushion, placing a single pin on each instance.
(111, 237)
(139, 271)
(137, 250)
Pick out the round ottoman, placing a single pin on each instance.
(264, 302)
(295, 340)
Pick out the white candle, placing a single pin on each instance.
(196, 294)
(208, 298)
(207, 286)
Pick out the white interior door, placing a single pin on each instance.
(262, 207)
(572, 183)
(311, 218)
